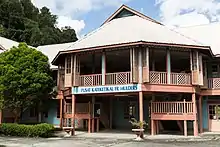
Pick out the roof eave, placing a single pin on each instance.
(131, 44)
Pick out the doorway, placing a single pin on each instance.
(214, 117)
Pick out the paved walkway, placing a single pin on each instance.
(114, 139)
(83, 142)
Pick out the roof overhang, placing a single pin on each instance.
(131, 44)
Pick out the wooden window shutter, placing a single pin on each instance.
(194, 67)
(76, 70)
(134, 65)
(145, 60)
(68, 71)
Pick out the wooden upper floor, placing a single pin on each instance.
(139, 64)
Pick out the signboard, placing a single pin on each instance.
(107, 89)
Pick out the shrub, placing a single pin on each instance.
(39, 130)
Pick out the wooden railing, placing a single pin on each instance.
(121, 78)
(110, 79)
(118, 78)
(172, 107)
(175, 78)
(90, 80)
(158, 77)
(214, 83)
(180, 78)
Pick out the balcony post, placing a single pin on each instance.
(140, 79)
(61, 110)
(73, 114)
(103, 67)
(168, 65)
(200, 114)
(195, 122)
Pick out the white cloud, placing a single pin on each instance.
(67, 21)
(189, 12)
(68, 10)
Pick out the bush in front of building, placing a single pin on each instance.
(39, 130)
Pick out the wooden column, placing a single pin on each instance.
(93, 121)
(64, 112)
(153, 61)
(152, 127)
(110, 119)
(97, 125)
(200, 115)
(153, 131)
(61, 110)
(185, 128)
(168, 65)
(141, 111)
(89, 120)
(103, 67)
(195, 122)
(185, 121)
(1, 116)
(73, 113)
(140, 73)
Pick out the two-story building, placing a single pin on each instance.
(135, 67)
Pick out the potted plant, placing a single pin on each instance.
(138, 127)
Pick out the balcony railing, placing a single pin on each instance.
(121, 78)
(214, 83)
(111, 79)
(90, 80)
(175, 78)
(172, 108)
(118, 78)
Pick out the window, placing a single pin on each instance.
(214, 71)
(68, 64)
(58, 110)
(33, 112)
(129, 110)
(214, 112)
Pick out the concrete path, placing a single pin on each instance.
(114, 139)
(76, 142)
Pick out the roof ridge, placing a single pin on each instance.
(192, 39)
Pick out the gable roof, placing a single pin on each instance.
(207, 34)
(124, 7)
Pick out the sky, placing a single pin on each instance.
(86, 15)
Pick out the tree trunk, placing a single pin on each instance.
(16, 116)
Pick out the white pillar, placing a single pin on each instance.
(103, 67)
(168, 65)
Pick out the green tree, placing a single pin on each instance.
(25, 79)
(21, 21)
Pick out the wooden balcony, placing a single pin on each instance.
(119, 78)
(175, 78)
(180, 110)
(122, 78)
(214, 83)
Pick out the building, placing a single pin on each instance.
(135, 67)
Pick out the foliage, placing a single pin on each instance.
(138, 124)
(25, 78)
(21, 21)
(39, 130)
